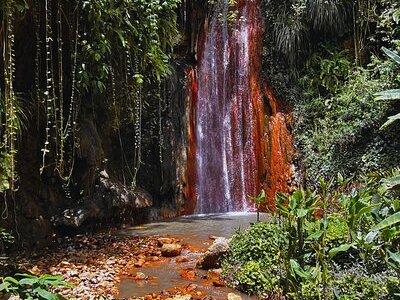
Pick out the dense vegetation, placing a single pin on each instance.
(338, 242)
(336, 66)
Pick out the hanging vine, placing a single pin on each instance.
(137, 112)
(11, 124)
(69, 131)
(161, 108)
(60, 139)
(137, 33)
(49, 95)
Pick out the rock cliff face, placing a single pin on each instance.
(99, 192)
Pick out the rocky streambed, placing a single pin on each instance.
(163, 260)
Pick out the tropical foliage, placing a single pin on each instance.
(390, 94)
(338, 242)
(32, 287)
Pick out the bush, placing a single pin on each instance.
(255, 263)
(253, 279)
(337, 242)
(363, 286)
(350, 286)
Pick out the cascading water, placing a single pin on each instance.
(228, 140)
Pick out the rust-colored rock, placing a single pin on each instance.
(188, 274)
(171, 250)
(161, 241)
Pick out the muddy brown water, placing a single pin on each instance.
(194, 231)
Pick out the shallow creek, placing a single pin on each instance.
(194, 234)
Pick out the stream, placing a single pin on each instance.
(193, 232)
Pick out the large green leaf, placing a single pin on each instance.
(11, 280)
(46, 295)
(393, 55)
(28, 281)
(365, 211)
(388, 95)
(341, 248)
(391, 120)
(392, 182)
(301, 212)
(389, 221)
(299, 271)
(395, 257)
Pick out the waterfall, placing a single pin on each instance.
(228, 147)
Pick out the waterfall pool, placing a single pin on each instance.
(194, 232)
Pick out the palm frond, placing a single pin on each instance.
(328, 16)
(382, 173)
(388, 95)
(393, 55)
(292, 38)
(391, 120)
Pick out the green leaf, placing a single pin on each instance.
(11, 280)
(369, 238)
(46, 295)
(392, 182)
(388, 95)
(396, 16)
(341, 248)
(298, 270)
(315, 235)
(393, 55)
(395, 257)
(389, 221)
(301, 212)
(391, 120)
(365, 210)
(28, 281)
(4, 286)
(121, 37)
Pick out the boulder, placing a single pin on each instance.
(211, 259)
(232, 296)
(181, 297)
(214, 276)
(171, 250)
(108, 197)
(140, 276)
(161, 241)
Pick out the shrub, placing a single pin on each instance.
(350, 286)
(255, 262)
(363, 286)
(253, 279)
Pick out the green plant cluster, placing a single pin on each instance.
(340, 117)
(341, 241)
(133, 35)
(31, 287)
(90, 56)
(255, 261)
(299, 26)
